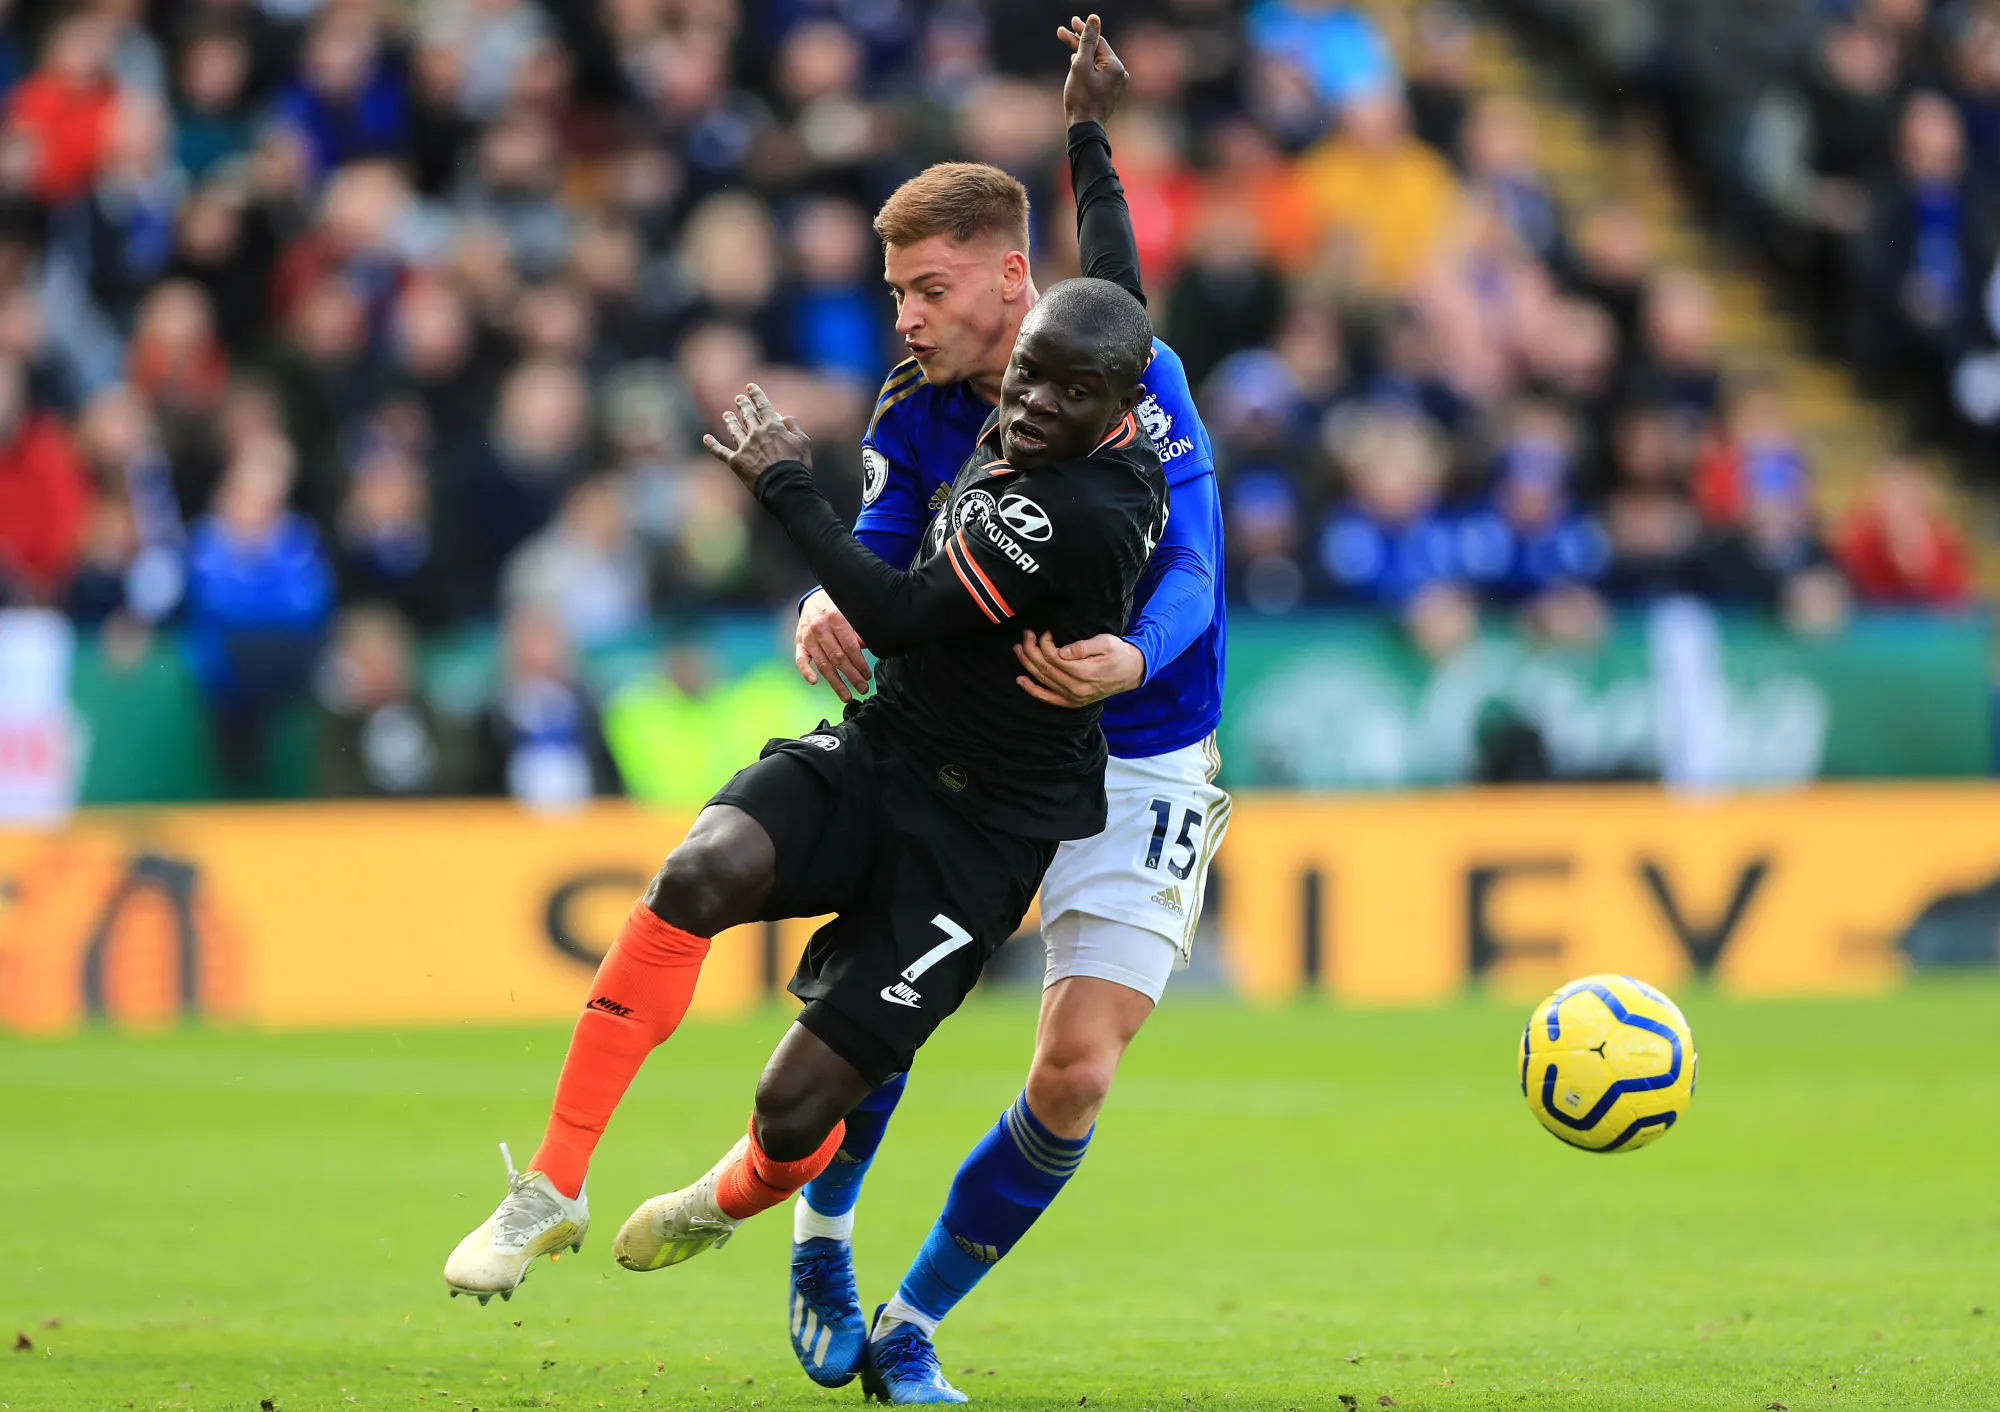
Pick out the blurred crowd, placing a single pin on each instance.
(329, 324)
(1855, 144)
(1459, 396)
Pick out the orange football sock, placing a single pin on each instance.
(642, 990)
(753, 1182)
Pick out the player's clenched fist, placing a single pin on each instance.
(763, 438)
(827, 649)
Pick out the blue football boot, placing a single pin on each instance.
(902, 1368)
(829, 1334)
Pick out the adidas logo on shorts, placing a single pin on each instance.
(1170, 898)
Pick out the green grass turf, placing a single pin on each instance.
(1280, 1208)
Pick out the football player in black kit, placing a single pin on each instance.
(926, 819)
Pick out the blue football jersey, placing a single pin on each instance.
(920, 435)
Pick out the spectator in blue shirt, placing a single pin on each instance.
(1336, 43)
(540, 739)
(1501, 165)
(1390, 539)
(1528, 539)
(349, 101)
(1529, 545)
(123, 233)
(835, 309)
(259, 596)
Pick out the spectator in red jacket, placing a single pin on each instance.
(45, 497)
(1897, 548)
(59, 119)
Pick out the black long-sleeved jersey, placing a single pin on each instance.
(1105, 241)
(1056, 550)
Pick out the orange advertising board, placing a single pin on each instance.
(331, 915)
(327, 915)
(1405, 899)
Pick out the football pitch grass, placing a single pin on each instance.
(1281, 1209)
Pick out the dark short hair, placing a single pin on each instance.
(1123, 330)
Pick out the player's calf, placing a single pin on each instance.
(717, 878)
(1000, 1190)
(803, 1094)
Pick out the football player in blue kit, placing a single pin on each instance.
(1118, 910)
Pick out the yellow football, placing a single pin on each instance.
(1607, 1064)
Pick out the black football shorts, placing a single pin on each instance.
(923, 895)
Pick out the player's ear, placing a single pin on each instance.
(1130, 400)
(1013, 275)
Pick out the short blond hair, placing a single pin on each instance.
(960, 200)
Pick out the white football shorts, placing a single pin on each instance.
(1148, 872)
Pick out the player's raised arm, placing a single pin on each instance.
(1097, 78)
(1085, 673)
(966, 587)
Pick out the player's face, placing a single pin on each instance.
(954, 303)
(1058, 400)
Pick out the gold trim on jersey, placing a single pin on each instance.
(903, 380)
(899, 375)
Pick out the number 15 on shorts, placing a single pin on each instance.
(1179, 855)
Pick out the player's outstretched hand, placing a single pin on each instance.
(1097, 76)
(763, 438)
(1081, 674)
(826, 648)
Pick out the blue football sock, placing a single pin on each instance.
(1003, 1186)
(834, 1191)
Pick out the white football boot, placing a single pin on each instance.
(534, 1220)
(680, 1225)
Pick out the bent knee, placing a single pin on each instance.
(715, 880)
(1065, 1091)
